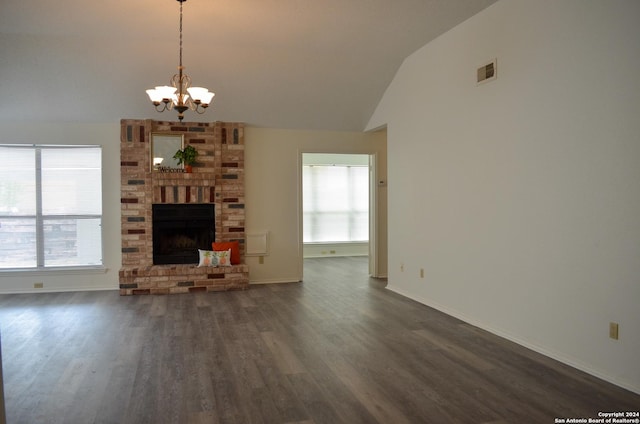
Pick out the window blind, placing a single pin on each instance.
(335, 203)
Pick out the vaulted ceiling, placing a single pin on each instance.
(274, 63)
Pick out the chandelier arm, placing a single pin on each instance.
(200, 108)
(162, 106)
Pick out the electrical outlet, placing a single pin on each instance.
(261, 260)
(402, 267)
(38, 285)
(613, 330)
(421, 272)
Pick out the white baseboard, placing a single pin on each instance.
(276, 281)
(328, 250)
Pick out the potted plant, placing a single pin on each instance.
(187, 156)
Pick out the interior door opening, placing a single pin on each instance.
(337, 205)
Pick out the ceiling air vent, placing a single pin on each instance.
(488, 72)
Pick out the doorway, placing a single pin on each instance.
(338, 207)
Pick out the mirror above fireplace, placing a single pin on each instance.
(163, 147)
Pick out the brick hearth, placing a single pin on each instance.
(217, 178)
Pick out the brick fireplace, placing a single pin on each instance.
(217, 179)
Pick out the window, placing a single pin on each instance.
(50, 206)
(335, 203)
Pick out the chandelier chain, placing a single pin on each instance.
(181, 1)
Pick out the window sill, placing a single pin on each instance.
(76, 270)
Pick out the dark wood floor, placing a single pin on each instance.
(338, 348)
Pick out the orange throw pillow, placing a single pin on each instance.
(226, 245)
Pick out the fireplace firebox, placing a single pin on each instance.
(179, 230)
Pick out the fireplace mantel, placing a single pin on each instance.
(217, 179)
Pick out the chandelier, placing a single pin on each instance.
(180, 95)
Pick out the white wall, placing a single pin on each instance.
(521, 197)
(272, 184)
(108, 136)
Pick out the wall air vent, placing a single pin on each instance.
(487, 72)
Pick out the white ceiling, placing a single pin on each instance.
(274, 63)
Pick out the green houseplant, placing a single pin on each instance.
(187, 156)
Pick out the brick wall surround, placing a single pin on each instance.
(218, 177)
